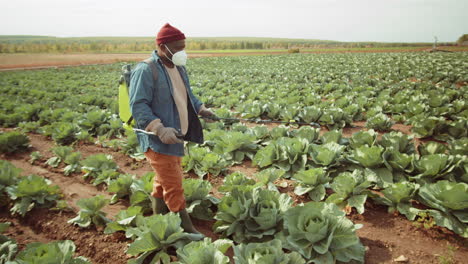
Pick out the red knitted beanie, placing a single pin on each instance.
(169, 33)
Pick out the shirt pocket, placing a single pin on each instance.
(162, 95)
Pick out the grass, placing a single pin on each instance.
(448, 258)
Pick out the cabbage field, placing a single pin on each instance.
(384, 178)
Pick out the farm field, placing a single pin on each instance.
(384, 178)
(52, 60)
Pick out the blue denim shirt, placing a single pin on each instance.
(151, 100)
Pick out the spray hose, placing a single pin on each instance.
(258, 121)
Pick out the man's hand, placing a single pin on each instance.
(208, 115)
(167, 135)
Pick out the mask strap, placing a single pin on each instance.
(169, 50)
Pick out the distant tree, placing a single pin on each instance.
(461, 39)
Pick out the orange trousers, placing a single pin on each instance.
(168, 179)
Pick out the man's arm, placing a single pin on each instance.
(141, 95)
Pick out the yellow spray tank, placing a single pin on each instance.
(124, 99)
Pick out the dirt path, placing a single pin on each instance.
(44, 60)
(74, 187)
(389, 236)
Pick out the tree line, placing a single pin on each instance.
(37, 44)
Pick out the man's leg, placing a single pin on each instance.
(169, 179)
(158, 205)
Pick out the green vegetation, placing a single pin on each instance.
(124, 220)
(32, 191)
(340, 172)
(200, 204)
(53, 252)
(13, 142)
(268, 252)
(204, 252)
(90, 212)
(251, 215)
(47, 44)
(462, 39)
(157, 234)
(321, 232)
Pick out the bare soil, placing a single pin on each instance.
(385, 235)
(27, 61)
(40, 61)
(42, 225)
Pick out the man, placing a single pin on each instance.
(162, 102)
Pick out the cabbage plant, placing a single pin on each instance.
(120, 187)
(368, 157)
(449, 199)
(235, 146)
(363, 138)
(141, 190)
(13, 141)
(95, 165)
(204, 252)
(380, 122)
(321, 233)
(251, 215)
(396, 161)
(350, 190)
(289, 154)
(398, 198)
(429, 126)
(432, 147)
(155, 235)
(307, 132)
(327, 155)
(202, 161)
(9, 176)
(8, 246)
(268, 176)
(90, 212)
(61, 153)
(459, 146)
(200, 204)
(432, 167)
(235, 180)
(312, 182)
(32, 191)
(123, 220)
(53, 252)
(310, 114)
(398, 141)
(270, 252)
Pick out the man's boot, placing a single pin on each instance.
(187, 224)
(159, 206)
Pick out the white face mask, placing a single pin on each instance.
(179, 58)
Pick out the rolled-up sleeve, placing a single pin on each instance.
(141, 95)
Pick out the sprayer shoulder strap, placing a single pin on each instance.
(154, 70)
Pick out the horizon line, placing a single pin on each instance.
(246, 37)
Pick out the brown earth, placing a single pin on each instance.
(27, 61)
(385, 235)
(42, 225)
(42, 61)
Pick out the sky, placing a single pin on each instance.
(341, 20)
